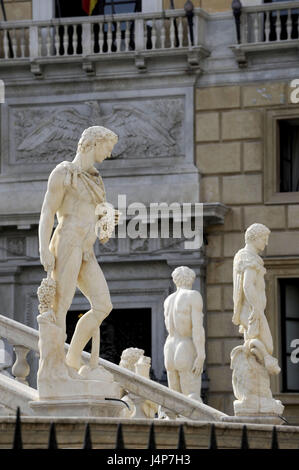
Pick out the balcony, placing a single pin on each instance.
(90, 39)
(266, 28)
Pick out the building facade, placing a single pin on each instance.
(201, 118)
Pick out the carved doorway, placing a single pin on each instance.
(123, 328)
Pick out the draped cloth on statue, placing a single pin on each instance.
(91, 180)
(93, 183)
(256, 325)
(243, 260)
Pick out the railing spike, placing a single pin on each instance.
(181, 441)
(52, 438)
(119, 437)
(274, 445)
(213, 440)
(17, 442)
(244, 441)
(152, 440)
(87, 438)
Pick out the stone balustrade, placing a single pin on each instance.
(269, 28)
(99, 35)
(275, 22)
(24, 338)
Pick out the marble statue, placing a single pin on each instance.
(76, 194)
(184, 349)
(252, 363)
(134, 360)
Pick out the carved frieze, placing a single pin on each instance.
(147, 128)
(16, 246)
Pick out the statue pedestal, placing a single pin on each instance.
(254, 419)
(78, 408)
(63, 391)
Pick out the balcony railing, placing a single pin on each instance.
(275, 22)
(272, 26)
(98, 35)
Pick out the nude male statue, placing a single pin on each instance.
(250, 297)
(184, 349)
(252, 363)
(75, 189)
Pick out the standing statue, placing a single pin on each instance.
(184, 349)
(252, 362)
(76, 195)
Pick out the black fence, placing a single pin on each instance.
(119, 441)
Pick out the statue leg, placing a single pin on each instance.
(67, 267)
(92, 283)
(190, 385)
(173, 380)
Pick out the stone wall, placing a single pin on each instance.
(17, 10)
(230, 133)
(70, 434)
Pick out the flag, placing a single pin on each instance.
(88, 6)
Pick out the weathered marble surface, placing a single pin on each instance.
(184, 349)
(134, 360)
(252, 362)
(76, 194)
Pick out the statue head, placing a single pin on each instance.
(99, 141)
(257, 235)
(183, 277)
(129, 357)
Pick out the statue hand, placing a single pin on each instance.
(47, 259)
(197, 366)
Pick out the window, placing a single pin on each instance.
(289, 155)
(65, 8)
(289, 307)
(123, 328)
(113, 7)
(281, 157)
(282, 312)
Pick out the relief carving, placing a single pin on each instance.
(16, 247)
(146, 128)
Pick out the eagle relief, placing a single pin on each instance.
(148, 128)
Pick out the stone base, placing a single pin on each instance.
(254, 419)
(255, 405)
(78, 408)
(78, 389)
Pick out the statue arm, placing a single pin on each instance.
(249, 288)
(198, 333)
(52, 202)
(166, 315)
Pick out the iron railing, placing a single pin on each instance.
(17, 443)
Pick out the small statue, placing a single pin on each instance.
(184, 349)
(134, 360)
(252, 362)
